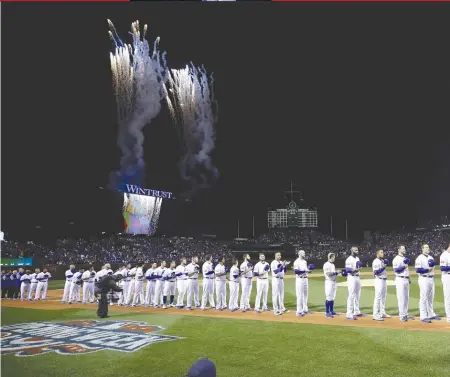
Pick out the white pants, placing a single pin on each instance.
(41, 288)
(74, 294)
(138, 292)
(246, 292)
(157, 298)
(131, 289)
(208, 292)
(192, 290)
(181, 288)
(262, 290)
(278, 294)
(234, 295)
(301, 291)
(88, 292)
(66, 293)
(354, 294)
(446, 287)
(169, 288)
(221, 294)
(125, 294)
(33, 287)
(402, 289)
(379, 302)
(330, 290)
(426, 287)
(24, 290)
(149, 292)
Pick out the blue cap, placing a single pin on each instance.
(202, 368)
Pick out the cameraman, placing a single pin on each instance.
(105, 285)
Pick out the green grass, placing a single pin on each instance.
(247, 348)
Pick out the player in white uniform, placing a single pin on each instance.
(233, 285)
(301, 270)
(139, 286)
(402, 283)
(379, 271)
(181, 274)
(42, 286)
(75, 291)
(425, 268)
(25, 285)
(122, 271)
(221, 284)
(246, 272)
(159, 285)
(192, 284)
(125, 283)
(88, 279)
(445, 276)
(330, 272)
(169, 285)
(208, 283)
(352, 269)
(278, 268)
(151, 284)
(68, 283)
(34, 283)
(132, 275)
(261, 271)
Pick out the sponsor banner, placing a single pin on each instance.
(16, 262)
(133, 189)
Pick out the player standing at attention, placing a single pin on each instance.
(425, 268)
(221, 284)
(233, 283)
(445, 276)
(402, 282)
(169, 285)
(379, 271)
(352, 268)
(139, 286)
(126, 282)
(261, 271)
(208, 283)
(34, 283)
(181, 274)
(151, 284)
(192, 284)
(246, 271)
(75, 292)
(159, 285)
(25, 285)
(278, 268)
(301, 270)
(88, 278)
(42, 286)
(68, 283)
(330, 272)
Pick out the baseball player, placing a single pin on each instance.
(445, 277)
(379, 271)
(75, 294)
(425, 268)
(221, 284)
(181, 274)
(34, 283)
(301, 270)
(139, 286)
(151, 285)
(122, 271)
(42, 286)
(278, 269)
(69, 274)
(352, 270)
(25, 285)
(402, 283)
(132, 275)
(208, 283)
(125, 284)
(246, 272)
(261, 271)
(169, 285)
(159, 285)
(233, 284)
(192, 283)
(88, 279)
(330, 272)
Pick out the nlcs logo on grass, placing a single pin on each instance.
(78, 337)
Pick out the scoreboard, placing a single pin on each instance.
(292, 217)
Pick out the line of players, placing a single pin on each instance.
(22, 284)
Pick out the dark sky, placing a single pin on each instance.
(349, 101)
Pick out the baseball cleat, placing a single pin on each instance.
(189, 308)
(277, 313)
(197, 306)
(352, 318)
(266, 309)
(257, 311)
(164, 307)
(243, 310)
(410, 317)
(329, 315)
(386, 316)
(360, 315)
(285, 311)
(307, 312)
(378, 318)
(404, 319)
(436, 318)
(426, 320)
(334, 313)
(299, 314)
(448, 320)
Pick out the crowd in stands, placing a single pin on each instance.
(127, 248)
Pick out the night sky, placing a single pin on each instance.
(348, 101)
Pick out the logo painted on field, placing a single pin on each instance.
(79, 337)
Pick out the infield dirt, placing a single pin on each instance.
(54, 296)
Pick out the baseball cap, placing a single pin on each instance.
(202, 368)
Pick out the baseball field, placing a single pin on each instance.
(52, 339)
